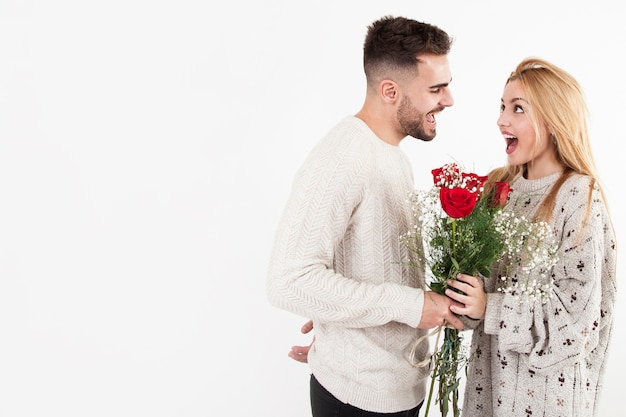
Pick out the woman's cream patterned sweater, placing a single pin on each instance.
(534, 359)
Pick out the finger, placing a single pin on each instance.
(297, 357)
(455, 322)
(300, 350)
(468, 279)
(457, 286)
(460, 310)
(458, 297)
(307, 327)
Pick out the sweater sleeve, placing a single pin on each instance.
(564, 329)
(330, 188)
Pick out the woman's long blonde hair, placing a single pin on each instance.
(558, 102)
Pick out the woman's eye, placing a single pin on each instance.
(518, 109)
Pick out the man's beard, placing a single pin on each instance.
(412, 121)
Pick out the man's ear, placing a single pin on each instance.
(389, 91)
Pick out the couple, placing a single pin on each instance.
(336, 252)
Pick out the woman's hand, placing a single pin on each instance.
(473, 296)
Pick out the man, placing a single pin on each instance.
(337, 257)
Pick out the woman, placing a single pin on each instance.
(544, 356)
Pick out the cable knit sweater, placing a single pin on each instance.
(337, 259)
(534, 359)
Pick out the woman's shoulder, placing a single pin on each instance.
(578, 186)
(576, 179)
(581, 191)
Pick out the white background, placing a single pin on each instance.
(147, 149)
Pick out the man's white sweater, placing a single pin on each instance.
(337, 259)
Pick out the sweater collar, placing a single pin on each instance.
(522, 184)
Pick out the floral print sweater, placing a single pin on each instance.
(547, 357)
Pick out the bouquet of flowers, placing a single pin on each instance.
(460, 227)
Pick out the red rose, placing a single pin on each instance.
(437, 174)
(446, 175)
(457, 202)
(503, 189)
(474, 182)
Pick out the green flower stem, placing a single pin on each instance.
(432, 380)
(454, 239)
(447, 364)
(445, 368)
(432, 385)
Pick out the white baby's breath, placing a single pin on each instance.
(530, 247)
(530, 253)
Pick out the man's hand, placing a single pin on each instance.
(301, 353)
(437, 311)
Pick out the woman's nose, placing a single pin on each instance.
(502, 120)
